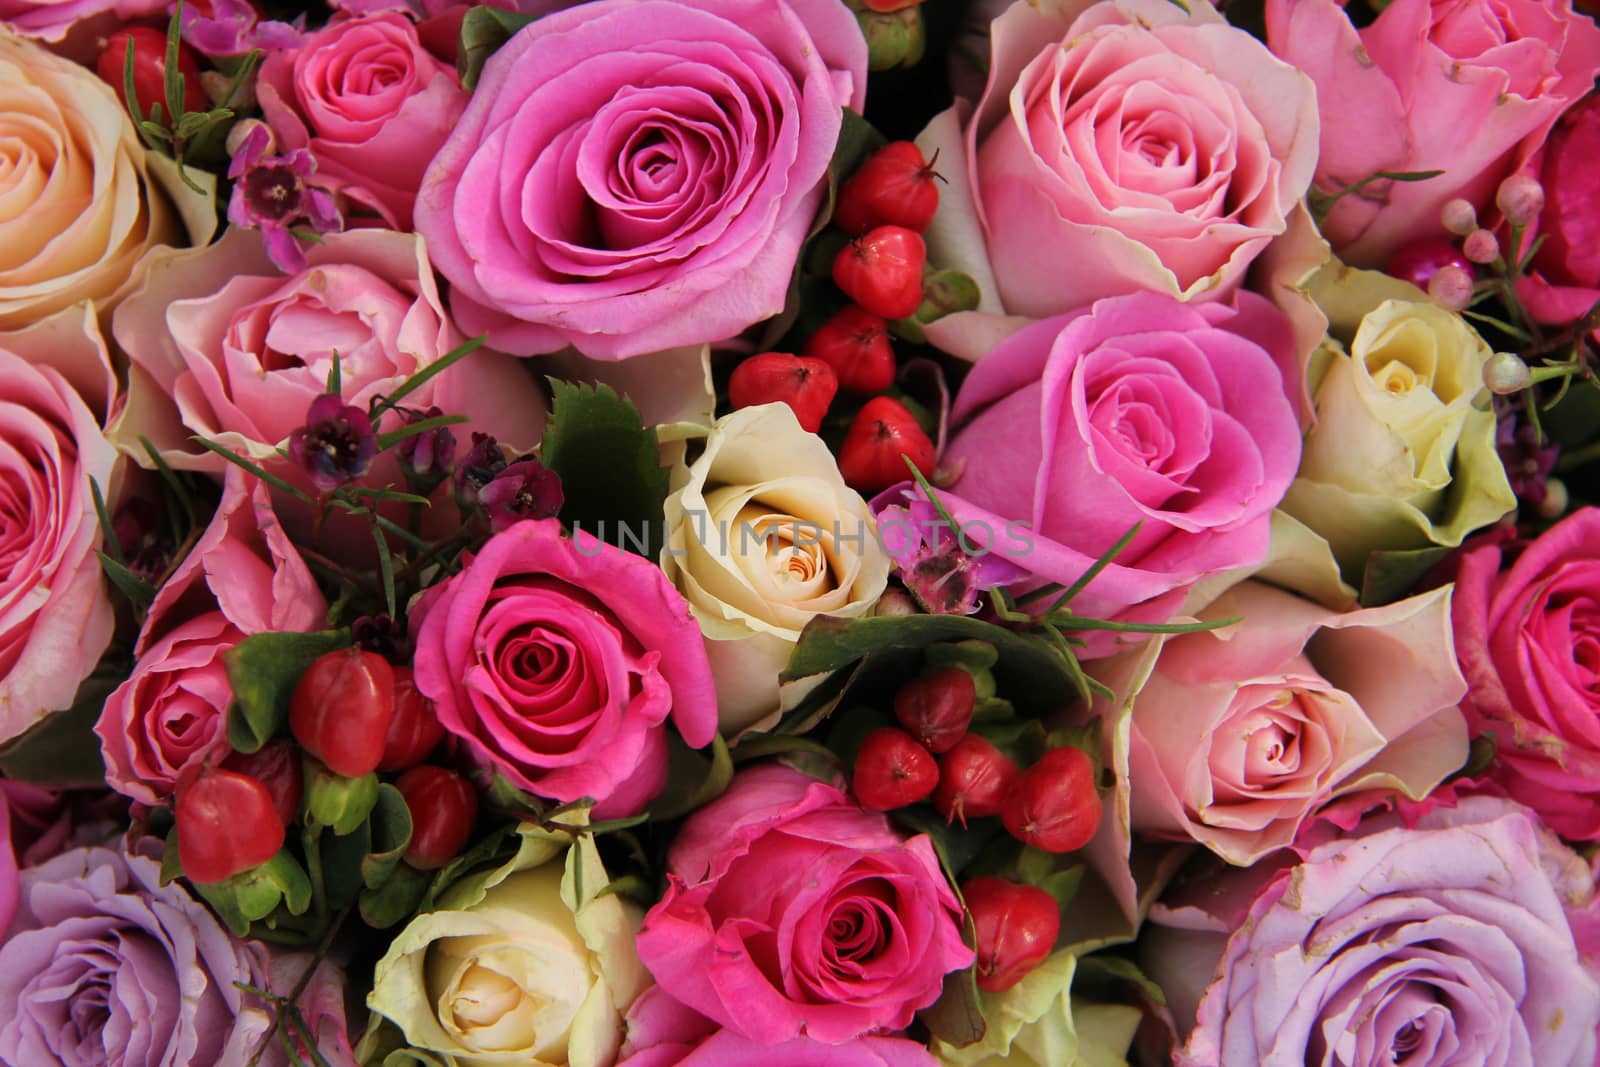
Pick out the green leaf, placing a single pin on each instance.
(1390, 574)
(396, 900)
(180, 491)
(388, 440)
(138, 591)
(263, 670)
(956, 1018)
(612, 481)
(335, 385)
(1099, 969)
(386, 571)
(483, 31)
(432, 370)
(254, 468)
(1063, 885)
(62, 749)
(692, 780)
(858, 139)
(391, 833)
(956, 845)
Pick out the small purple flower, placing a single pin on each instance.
(1528, 462)
(527, 489)
(426, 458)
(275, 194)
(336, 445)
(943, 572)
(234, 27)
(482, 462)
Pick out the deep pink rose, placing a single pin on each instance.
(1119, 147)
(1141, 409)
(855, 946)
(1564, 283)
(50, 20)
(1469, 87)
(369, 102)
(55, 616)
(557, 663)
(242, 577)
(633, 175)
(1528, 636)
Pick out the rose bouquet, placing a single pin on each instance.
(878, 533)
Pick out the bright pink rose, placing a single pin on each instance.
(1564, 283)
(557, 663)
(857, 945)
(1469, 87)
(55, 616)
(50, 20)
(369, 102)
(633, 175)
(1141, 409)
(1528, 635)
(242, 577)
(1119, 147)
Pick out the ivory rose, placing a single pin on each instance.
(633, 175)
(763, 536)
(1119, 147)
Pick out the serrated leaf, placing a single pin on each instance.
(263, 670)
(483, 31)
(391, 833)
(612, 481)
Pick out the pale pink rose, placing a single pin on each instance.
(242, 577)
(50, 20)
(1240, 734)
(634, 175)
(55, 615)
(1469, 87)
(1118, 147)
(369, 102)
(225, 346)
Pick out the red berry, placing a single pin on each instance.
(936, 708)
(341, 709)
(226, 824)
(1054, 803)
(855, 343)
(974, 780)
(807, 385)
(882, 271)
(1017, 927)
(149, 70)
(886, 6)
(892, 770)
(883, 432)
(276, 765)
(894, 187)
(414, 730)
(443, 808)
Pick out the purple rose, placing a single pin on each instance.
(1447, 943)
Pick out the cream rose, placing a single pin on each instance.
(79, 203)
(763, 536)
(535, 968)
(1402, 454)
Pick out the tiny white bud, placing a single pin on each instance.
(894, 602)
(1459, 216)
(1451, 287)
(1520, 198)
(1481, 247)
(1555, 501)
(1505, 373)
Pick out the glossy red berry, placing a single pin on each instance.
(807, 385)
(414, 730)
(1017, 926)
(443, 808)
(855, 343)
(882, 271)
(149, 70)
(936, 708)
(227, 824)
(974, 780)
(341, 709)
(892, 770)
(1054, 803)
(884, 431)
(278, 766)
(896, 186)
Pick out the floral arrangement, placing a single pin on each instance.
(633, 533)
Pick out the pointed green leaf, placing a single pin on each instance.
(391, 833)
(483, 31)
(612, 481)
(263, 670)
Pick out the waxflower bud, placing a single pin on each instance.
(336, 445)
(1481, 247)
(1505, 373)
(1459, 216)
(1451, 287)
(478, 468)
(426, 458)
(1555, 501)
(527, 489)
(1520, 198)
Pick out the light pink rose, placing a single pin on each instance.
(242, 577)
(557, 662)
(1469, 87)
(55, 615)
(1141, 409)
(50, 20)
(1240, 734)
(855, 946)
(369, 102)
(223, 345)
(633, 175)
(1119, 147)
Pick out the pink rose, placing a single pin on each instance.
(1565, 280)
(1469, 87)
(1240, 734)
(223, 345)
(1119, 147)
(1528, 635)
(242, 577)
(633, 175)
(557, 663)
(1141, 409)
(50, 20)
(369, 102)
(856, 946)
(55, 616)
